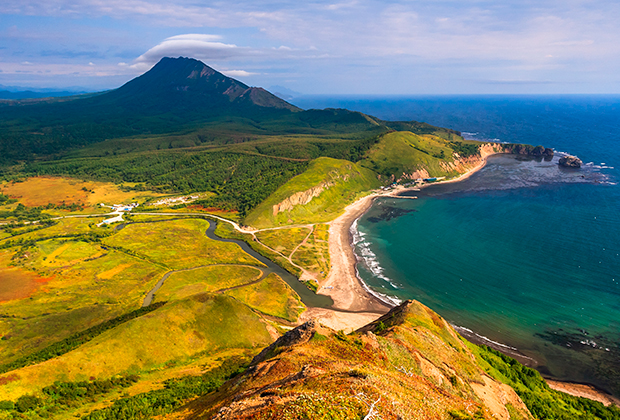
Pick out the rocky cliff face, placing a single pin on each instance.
(409, 364)
(462, 165)
(300, 198)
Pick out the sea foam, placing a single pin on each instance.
(365, 255)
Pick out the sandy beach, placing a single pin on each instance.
(354, 305)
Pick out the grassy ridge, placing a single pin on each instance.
(176, 333)
(76, 340)
(401, 153)
(343, 182)
(412, 365)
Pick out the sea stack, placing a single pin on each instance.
(570, 162)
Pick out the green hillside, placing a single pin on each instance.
(404, 152)
(319, 194)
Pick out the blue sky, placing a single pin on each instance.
(321, 47)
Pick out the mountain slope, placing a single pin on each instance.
(175, 95)
(187, 85)
(409, 364)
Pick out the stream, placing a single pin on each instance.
(308, 297)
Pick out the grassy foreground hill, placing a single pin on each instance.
(409, 364)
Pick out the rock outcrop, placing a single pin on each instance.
(298, 335)
(300, 198)
(570, 162)
(529, 150)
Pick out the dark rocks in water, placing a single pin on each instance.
(529, 150)
(388, 213)
(602, 351)
(570, 162)
(542, 151)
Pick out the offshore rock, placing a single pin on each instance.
(570, 162)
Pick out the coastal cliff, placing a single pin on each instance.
(464, 164)
(322, 192)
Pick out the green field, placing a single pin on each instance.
(283, 240)
(178, 244)
(272, 296)
(314, 254)
(207, 279)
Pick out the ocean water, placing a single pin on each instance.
(524, 253)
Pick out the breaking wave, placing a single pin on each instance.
(369, 259)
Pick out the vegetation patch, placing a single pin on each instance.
(272, 296)
(543, 402)
(18, 284)
(283, 240)
(40, 191)
(178, 244)
(176, 392)
(182, 284)
(61, 396)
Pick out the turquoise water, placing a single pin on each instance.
(523, 252)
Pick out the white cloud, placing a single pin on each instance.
(238, 73)
(200, 46)
(195, 37)
(510, 40)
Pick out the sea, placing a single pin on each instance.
(524, 255)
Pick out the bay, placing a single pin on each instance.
(524, 252)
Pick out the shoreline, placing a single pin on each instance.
(354, 302)
(355, 305)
